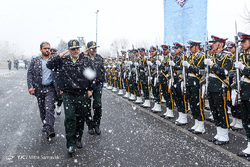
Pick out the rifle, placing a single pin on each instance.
(184, 71)
(237, 70)
(149, 72)
(207, 70)
(171, 69)
(136, 72)
(157, 66)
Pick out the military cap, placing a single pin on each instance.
(91, 44)
(72, 44)
(243, 36)
(230, 44)
(141, 49)
(123, 51)
(130, 51)
(53, 50)
(215, 39)
(177, 44)
(192, 43)
(164, 47)
(135, 50)
(152, 48)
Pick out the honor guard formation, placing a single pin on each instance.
(214, 76)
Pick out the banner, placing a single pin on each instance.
(186, 18)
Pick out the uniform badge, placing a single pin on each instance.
(74, 43)
(181, 2)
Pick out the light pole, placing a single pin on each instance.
(96, 24)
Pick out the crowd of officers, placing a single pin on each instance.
(187, 77)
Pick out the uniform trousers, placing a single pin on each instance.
(97, 108)
(217, 103)
(245, 108)
(75, 109)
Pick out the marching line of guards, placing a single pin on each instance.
(186, 80)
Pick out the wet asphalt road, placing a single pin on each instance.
(131, 136)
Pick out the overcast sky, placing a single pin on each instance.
(26, 23)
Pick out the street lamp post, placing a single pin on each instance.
(96, 24)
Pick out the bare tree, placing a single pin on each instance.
(124, 43)
(62, 46)
(246, 17)
(104, 52)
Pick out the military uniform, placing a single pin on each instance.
(165, 77)
(195, 63)
(244, 68)
(144, 74)
(235, 110)
(179, 98)
(217, 91)
(156, 87)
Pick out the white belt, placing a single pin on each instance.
(212, 75)
(245, 80)
(191, 75)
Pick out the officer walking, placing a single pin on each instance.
(75, 87)
(96, 62)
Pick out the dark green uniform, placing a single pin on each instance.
(245, 94)
(179, 98)
(164, 81)
(217, 88)
(196, 62)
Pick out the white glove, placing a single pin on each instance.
(171, 63)
(114, 66)
(233, 96)
(136, 64)
(149, 63)
(109, 66)
(130, 62)
(185, 64)
(119, 62)
(239, 65)
(208, 62)
(158, 62)
(226, 72)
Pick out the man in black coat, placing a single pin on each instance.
(74, 84)
(97, 64)
(42, 85)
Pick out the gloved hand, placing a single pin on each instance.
(114, 66)
(233, 96)
(136, 64)
(130, 62)
(208, 62)
(149, 63)
(185, 64)
(119, 62)
(239, 65)
(158, 62)
(171, 63)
